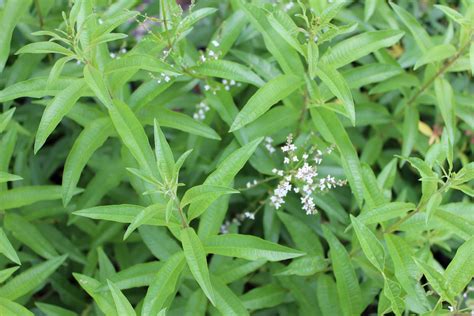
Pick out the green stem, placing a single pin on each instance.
(40, 15)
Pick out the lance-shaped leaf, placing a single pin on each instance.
(196, 259)
(406, 271)
(226, 301)
(7, 249)
(143, 217)
(34, 88)
(124, 213)
(5, 274)
(138, 275)
(11, 15)
(385, 212)
(103, 300)
(205, 191)
(393, 292)
(224, 174)
(163, 153)
(92, 137)
(301, 234)
(371, 246)
(348, 288)
(326, 292)
(98, 85)
(163, 286)
(112, 22)
(332, 129)
(338, 86)
(56, 110)
(22, 196)
(266, 296)
(8, 307)
(44, 48)
(435, 54)
(133, 136)
(460, 270)
(140, 61)
(31, 279)
(229, 70)
(420, 35)
(249, 247)
(444, 96)
(122, 305)
(437, 281)
(271, 93)
(176, 120)
(359, 46)
(6, 177)
(29, 235)
(54, 310)
(5, 118)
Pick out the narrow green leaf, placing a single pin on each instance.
(22, 196)
(385, 212)
(371, 246)
(249, 247)
(460, 270)
(143, 217)
(56, 110)
(302, 235)
(122, 305)
(29, 235)
(328, 299)
(8, 307)
(53, 310)
(103, 300)
(229, 70)
(205, 191)
(31, 279)
(331, 128)
(435, 54)
(11, 15)
(338, 86)
(392, 291)
(92, 137)
(6, 177)
(226, 301)
(44, 48)
(196, 259)
(348, 288)
(139, 61)
(5, 118)
(133, 136)
(5, 274)
(420, 35)
(163, 153)
(359, 46)
(264, 297)
(272, 92)
(437, 281)
(224, 174)
(7, 249)
(98, 85)
(163, 286)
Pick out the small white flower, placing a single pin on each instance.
(215, 43)
(167, 79)
(224, 81)
(232, 82)
(295, 158)
(203, 58)
(100, 21)
(211, 53)
(113, 55)
(207, 87)
(123, 50)
(227, 88)
(286, 160)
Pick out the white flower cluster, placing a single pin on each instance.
(268, 145)
(251, 184)
(201, 109)
(237, 221)
(288, 6)
(230, 83)
(163, 77)
(301, 177)
(211, 54)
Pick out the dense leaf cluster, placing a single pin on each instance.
(236, 157)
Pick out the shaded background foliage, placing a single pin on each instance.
(389, 85)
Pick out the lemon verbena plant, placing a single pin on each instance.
(236, 157)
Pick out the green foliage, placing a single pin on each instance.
(236, 157)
